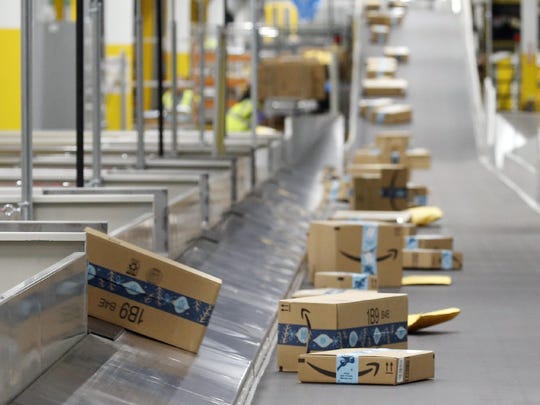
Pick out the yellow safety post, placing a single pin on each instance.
(504, 72)
(281, 14)
(528, 46)
(529, 83)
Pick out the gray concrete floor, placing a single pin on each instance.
(489, 353)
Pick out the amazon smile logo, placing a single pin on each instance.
(372, 367)
(391, 255)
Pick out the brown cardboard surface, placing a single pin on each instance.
(379, 34)
(392, 114)
(372, 5)
(342, 279)
(367, 156)
(400, 217)
(337, 246)
(372, 366)
(430, 259)
(356, 170)
(367, 105)
(384, 192)
(401, 53)
(362, 319)
(417, 195)
(292, 76)
(429, 242)
(378, 18)
(147, 293)
(390, 141)
(311, 292)
(418, 158)
(382, 87)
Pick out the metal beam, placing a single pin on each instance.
(26, 108)
(79, 66)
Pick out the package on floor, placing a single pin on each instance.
(417, 195)
(379, 34)
(392, 114)
(351, 319)
(292, 77)
(378, 18)
(400, 53)
(355, 170)
(440, 242)
(386, 191)
(338, 189)
(432, 259)
(147, 293)
(343, 279)
(366, 366)
(381, 67)
(418, 158)
(372, 5)
(357, 247)
(383, 87)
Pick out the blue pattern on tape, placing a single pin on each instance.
(328, 339)
(347, 368)
(446, 259)
(411, 242)
(150, 294)
(360, 281)
(370, 237)
(380, 118)
(420, 200)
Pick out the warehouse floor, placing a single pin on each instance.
(489, 353)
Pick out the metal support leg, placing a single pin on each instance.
(253, 163)
(26, 108)
(96, 130)
(220, 94)
(234, 180)
(334, 84)
(174, 79)
(159, 44)
(79, 96)
(202, 118)
(204, 194)
(254, 69)
(139, 83)
(123, 92)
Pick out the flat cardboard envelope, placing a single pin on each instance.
(426, 280)
(425, 215)
(416, 322)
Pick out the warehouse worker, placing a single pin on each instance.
(184, 105)
(239, 115)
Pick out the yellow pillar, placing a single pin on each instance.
(10, 79)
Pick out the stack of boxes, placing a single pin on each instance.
(345, 329)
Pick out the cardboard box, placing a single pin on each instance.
(378, 18)
(386, 191)
(418, 158)
(147, 293)
(372, 5)
(413, 242)
(292, 77)
(337, 190)
(357, 247)
(418, 195)
(368, 105)
(311, 292)
(397, 15)
(392, 114)
(324, 56)
(402, 218)
(382, 87)
(431, 259)
(401, 53)
(366, 366)
(392, 141)
(379, 34)
(342, 279)
(347, 320)
(367, 156)
(356, 170)
(381, 67)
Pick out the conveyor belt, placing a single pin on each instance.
(489, 353)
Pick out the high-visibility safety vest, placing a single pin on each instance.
(239, 116)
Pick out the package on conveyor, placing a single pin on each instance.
(429, 242)
(356, 170)
(292, 77)
(372, 248)
(350, 319)
(366, 366)
(432, 259)
(381, 67)
(147, 293)
(337, 189)
(392, 114)
(383, 87)
(367, 156)
(343, 279)
(417, 195)
(400, 53)
(379, 34)
(392, 142)
(372, 5)
(368, 105)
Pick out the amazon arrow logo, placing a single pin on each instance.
(371, 367)
(304, 315)
(392, 255)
